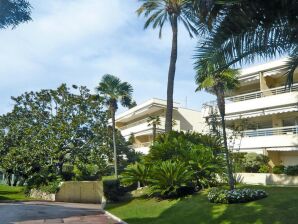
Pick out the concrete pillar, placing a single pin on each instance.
(263, 85)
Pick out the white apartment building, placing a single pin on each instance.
(134, 122)
(268, 111)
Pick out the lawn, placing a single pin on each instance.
(281, 207)
(12, 193)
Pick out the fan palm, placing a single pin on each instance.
(219, 83)
(113, 91)
(153, 121)
(159, 12)
(244, 30)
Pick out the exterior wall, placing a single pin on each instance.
(80, 192)
(191, 120)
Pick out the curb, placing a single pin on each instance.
(120, 221)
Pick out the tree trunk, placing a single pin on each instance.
(154, 132)
(222, 110)
(114, 143)
(171, 75)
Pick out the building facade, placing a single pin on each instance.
(265, 111)
(133, 123)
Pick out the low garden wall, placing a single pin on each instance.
(80, 192)
(267, 179)
(74, 191)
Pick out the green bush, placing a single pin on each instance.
(291, 170)
(112, 189)
(280, 169)
(216, 195)
(86, 172)
(238, 161)
(253, 162)
(135, 173)
(171, 179)
(264, 169)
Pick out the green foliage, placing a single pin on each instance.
(174, 145)
(291, 170)
(253, 162)
(58, 134)
(170, 179)
(112, 189)
(217, 195)
(135, 173)
(280, 169)
(238, 161)
(201, 153)
(14, 12)
(264, 169)
(52, 187)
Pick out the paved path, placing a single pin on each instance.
(52, 212)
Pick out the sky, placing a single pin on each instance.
(78, 41)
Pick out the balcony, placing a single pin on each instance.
(141, 127)
(271, 101)
(270, 138)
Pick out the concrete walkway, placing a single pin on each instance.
(52, 212)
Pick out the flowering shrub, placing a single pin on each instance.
(217, 195)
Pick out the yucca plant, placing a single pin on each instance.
(170, 179)
(135, 173)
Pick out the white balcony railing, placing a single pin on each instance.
(288, 130)
(261, 94)
(140, 145)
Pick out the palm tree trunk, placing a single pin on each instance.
(171, 74)
(154, 132)
(222, 110)
(114, 143)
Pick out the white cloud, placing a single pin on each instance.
(75, 41)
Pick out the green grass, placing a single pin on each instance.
(12, 193)
(280, 207)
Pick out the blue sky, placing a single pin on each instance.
(78, 41)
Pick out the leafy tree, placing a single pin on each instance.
(154, 121)
(14, 12)
(114, 91)
(50, 129)
(159, 12)
(242, 31)
(219, 83)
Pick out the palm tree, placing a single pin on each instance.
(219, 83)
(113, 91)
(242, 31)
(158, 12)
(153, 121)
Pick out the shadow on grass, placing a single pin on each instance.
(279, 208)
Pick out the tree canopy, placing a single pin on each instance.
(14, 12)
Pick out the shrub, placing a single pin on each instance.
(291, 170)
(216, 195)
(112, 189)
(86, 172)
(135, 173)
(238, 161)
(171, 179)
(264, 169)
(280, 169)
(253, 162)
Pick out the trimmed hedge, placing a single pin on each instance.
(216, 195)
(291, 170)
(280, 169)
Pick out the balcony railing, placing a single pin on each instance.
(288, 130)
(140, 145)
(261, 94)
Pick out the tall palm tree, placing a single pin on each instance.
(242, 31)
(153, 121)
(114, 91)
(219, 83)
(158, 12)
